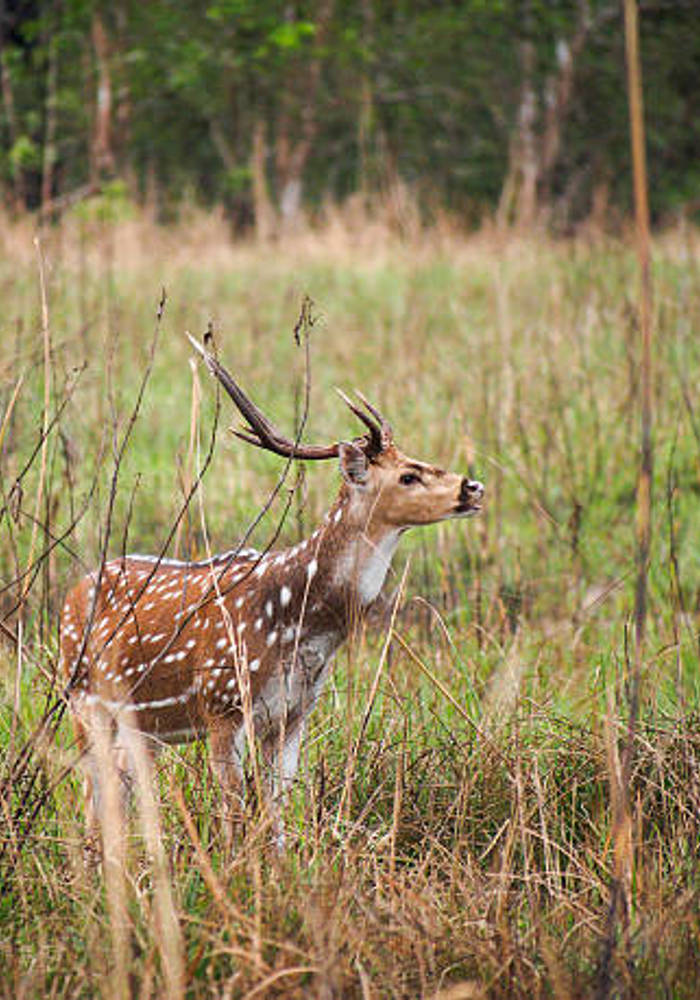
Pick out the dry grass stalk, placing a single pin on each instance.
(166, 924)
(188, 476)
(113, 836)
(46, 342)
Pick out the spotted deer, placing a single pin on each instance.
(237, 647)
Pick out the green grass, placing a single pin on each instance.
(477, 844)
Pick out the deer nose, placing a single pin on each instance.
(471, 491)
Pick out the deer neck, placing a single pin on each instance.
(354, 553)
(324, 580)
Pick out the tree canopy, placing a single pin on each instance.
(515, 108)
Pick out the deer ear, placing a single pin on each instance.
(353, 464)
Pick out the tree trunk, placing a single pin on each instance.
(365, 120)
(19, 198)
(518, 201)
(532, 160)
(262, 206)
(527, 166)
(558, 94)
(102, 155)
(49, 157)
(123, 105)
(291, 158)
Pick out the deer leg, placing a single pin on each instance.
(106, 780)
(226, 744)
(281, 755)
(107, 743)
(91, 789)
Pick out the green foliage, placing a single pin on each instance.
(431, 94)
(237, 180)
(111, 205)
(24, 155)
(290, 35)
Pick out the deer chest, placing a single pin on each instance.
(292, 690)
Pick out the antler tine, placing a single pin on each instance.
(260, 431)
(384, 425)
(257, 420)
(375, 430)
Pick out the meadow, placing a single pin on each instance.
(452, 831)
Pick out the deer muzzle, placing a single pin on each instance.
(471, 493)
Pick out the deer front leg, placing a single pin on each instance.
(226, 742)
(281, 755)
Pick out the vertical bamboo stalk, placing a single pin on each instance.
(620, 766)
(641, 210)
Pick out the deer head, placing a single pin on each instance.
(383, 489)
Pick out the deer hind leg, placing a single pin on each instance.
(90, 781)
(227, 746)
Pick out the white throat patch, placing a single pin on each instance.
(373, 572)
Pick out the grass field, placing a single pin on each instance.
(463, 844)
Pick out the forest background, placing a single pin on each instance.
(506, 109)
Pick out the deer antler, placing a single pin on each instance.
(381, 435)
(262, 433)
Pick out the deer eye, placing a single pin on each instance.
(409, 478)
